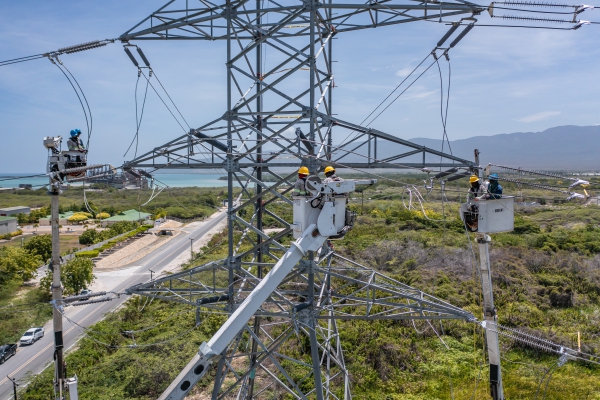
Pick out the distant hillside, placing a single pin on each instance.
(560, 148)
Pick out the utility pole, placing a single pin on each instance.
(15, 384)
(191, 250)
(56, 290)
(489, 310)
(490, 317)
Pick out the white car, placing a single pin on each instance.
(31, 336)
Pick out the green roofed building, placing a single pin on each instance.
(62, 219)
(129, 215)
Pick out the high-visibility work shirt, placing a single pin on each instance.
(75, 144)
(300, 188)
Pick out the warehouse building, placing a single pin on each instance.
(7, 225)
(8, 211)
(62, 219)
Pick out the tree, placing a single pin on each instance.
(17, 263)
(40, 245)
(102, 215)
(22, 219)
(89, 236)
(75, 275)
(77, 218)
(160, 213)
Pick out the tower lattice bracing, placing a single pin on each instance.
(279, 116)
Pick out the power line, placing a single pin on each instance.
(65, 50)
(138, 123)
(76, 92)
(388, 96)
(22, 177)
(90, 127)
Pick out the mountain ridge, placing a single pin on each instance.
(568, 147)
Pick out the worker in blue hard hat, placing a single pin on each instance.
(75, 143)
(494, 189)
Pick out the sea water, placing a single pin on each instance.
(12, 180)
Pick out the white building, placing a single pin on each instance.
(7, 225)
(8, 211)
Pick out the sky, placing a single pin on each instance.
(502, 80)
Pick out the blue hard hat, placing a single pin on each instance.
(493, 177)
(75, 132)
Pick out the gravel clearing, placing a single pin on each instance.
(138, 248)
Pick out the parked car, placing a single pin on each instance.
(32, 335)
(85, 292)
(7, 351)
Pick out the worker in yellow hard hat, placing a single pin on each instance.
(476, 189)
(330, 175)
(472, 215)
(300, 186)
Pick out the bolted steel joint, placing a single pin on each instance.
(231, 165)
(312, 5)
(229, 12)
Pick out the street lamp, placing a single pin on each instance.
(191, 249)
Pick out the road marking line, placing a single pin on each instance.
(84, 318)
(44, 349)
(27, 362)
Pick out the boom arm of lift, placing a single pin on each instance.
(312, 238)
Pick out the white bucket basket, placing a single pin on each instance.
(494, 215)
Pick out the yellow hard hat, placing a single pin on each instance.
(303, 171)
(473, 178)
(329, 169)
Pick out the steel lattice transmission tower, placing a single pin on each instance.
(278, 118)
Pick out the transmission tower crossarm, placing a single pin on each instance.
(210, 23)
(394, 139)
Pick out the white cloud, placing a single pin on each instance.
(539, 116)
(421, 94)
(404, 72)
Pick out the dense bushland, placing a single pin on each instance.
(547, 281)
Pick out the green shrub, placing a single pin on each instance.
(88, 253)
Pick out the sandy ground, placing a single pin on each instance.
(65, 230)
(130, 253)
(142, 246)
(138, 248)
(169, 224)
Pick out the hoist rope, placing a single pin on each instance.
(76, 92)
(90, 127)
(444, 115)
(138, 123)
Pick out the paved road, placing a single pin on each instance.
(33, 359)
